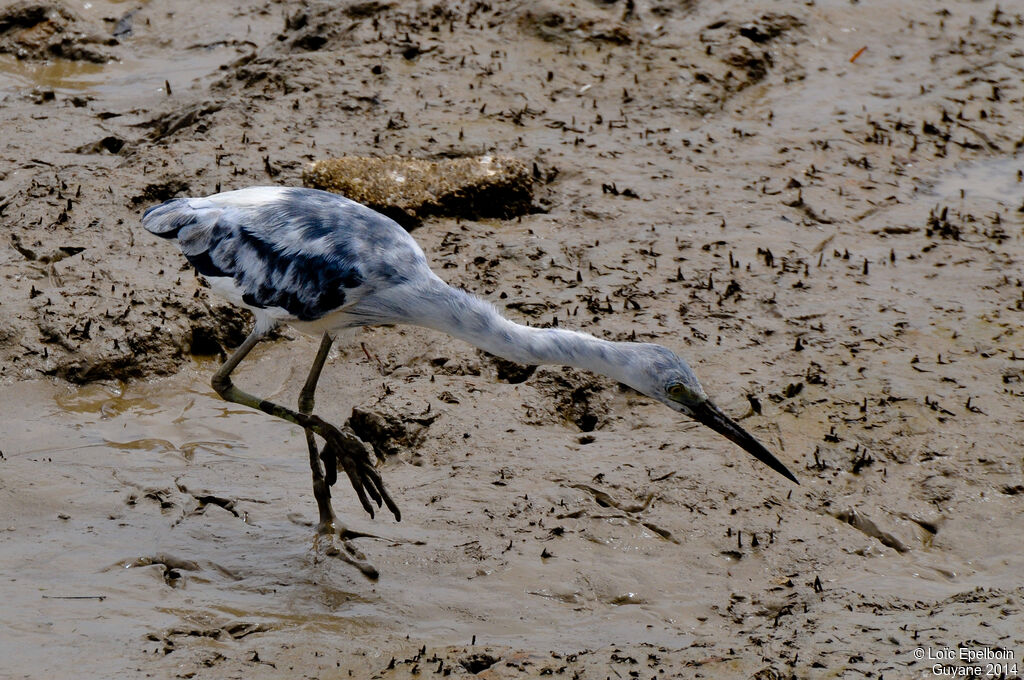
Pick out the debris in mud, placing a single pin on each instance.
(157, 192)
(313, 27)
(44, 30)
(768, 27)
(939, 225)
(168, 123)
(111, 144)
(409, 190)
(478, 662)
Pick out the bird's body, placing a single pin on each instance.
(322, 263)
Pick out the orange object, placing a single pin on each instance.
(858, 53)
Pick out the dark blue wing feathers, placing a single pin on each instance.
(299, 250)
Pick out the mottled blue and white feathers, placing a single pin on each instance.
(290, 255)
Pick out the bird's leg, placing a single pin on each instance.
(354, 455)
(329, 525)
(321, 487)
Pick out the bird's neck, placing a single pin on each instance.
(476, 321)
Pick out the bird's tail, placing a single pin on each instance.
(168, 218)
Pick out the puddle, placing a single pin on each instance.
(114, 80)
(145, 60)
(57, 74)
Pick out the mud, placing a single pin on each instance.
(831, 235)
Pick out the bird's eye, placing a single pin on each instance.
(678, 391)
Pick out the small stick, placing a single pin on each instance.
(858, 53)
(75, 597)
(370, 357)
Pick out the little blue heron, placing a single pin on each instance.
(323, 263)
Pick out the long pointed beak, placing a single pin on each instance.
(710, 415)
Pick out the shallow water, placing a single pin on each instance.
(118, 507)
(132, 561)
(1000, 180)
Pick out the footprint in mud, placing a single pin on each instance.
(172, 567)
(234, 630)
(868, 527)
(605, 500)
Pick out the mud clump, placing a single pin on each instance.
(409, 190)
(509, 371)
(557, 22)
(138, 341)
(312, 28)
(389, 430)
(43, 30)
(571, 396)
(747, 47)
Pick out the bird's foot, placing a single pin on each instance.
(333, 527)
(332, 540)
(356, 458)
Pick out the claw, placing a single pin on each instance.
(357, 484)
(392, 506)
(345, 448)
(330, 459)
(373, 488)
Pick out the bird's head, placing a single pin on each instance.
(662, 375)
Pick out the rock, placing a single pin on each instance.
(409, 190)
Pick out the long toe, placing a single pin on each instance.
(335, 545)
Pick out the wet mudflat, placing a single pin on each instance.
(834, 244)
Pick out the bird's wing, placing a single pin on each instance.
(305, 252)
